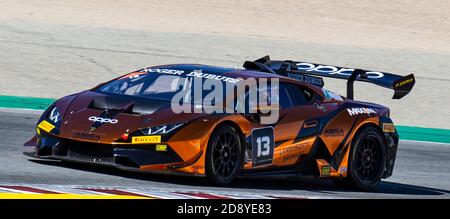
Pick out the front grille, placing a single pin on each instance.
(94, 152)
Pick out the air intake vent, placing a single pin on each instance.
(130, 105)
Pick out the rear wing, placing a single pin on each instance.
(306, 71)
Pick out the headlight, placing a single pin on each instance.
(162, 129)
(54, 115)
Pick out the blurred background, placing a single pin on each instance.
(54, 48)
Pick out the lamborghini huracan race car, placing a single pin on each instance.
(128, 123)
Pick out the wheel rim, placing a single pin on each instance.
(225, 154)
(368, 158)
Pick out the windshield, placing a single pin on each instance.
(157, 86)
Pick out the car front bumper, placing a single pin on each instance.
(133, 157)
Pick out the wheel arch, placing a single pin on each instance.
(369, 124)
(233, 124)
(358, 131)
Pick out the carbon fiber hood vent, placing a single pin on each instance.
(141, 106)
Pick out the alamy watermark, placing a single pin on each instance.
(210, 93)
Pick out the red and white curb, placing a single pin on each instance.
(138, 192)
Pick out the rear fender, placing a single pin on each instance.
(391, 138)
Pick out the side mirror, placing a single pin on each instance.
(320, 106)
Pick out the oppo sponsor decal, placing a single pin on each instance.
(103, 120)
(328, 69)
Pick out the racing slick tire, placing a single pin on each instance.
(224, 155)
(367, 161)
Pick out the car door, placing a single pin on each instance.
(298, 125)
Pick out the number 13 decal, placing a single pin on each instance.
(262, 146)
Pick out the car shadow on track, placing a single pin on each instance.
(303, 183)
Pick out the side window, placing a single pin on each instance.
(298, 95)
(285, 98)
(244, 103)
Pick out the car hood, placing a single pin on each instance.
(105, 118)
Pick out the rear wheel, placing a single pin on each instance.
(366, 161)
(224, 156)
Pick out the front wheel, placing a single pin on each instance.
(367, 160)
(224, 155)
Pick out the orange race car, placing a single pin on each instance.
(131, 123)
